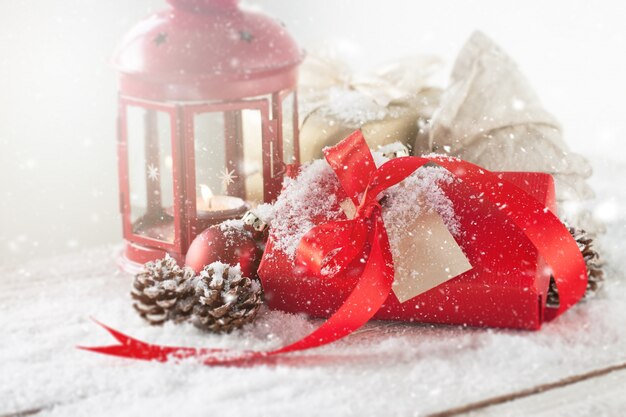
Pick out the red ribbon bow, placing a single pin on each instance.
(331, 248)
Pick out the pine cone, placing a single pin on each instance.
(163, 291)
(225, 299)
(592, 259)
(595, 274)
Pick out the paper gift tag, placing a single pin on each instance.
(428, 256)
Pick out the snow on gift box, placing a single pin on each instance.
(457, 257)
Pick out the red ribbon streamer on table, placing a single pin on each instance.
(330, 248)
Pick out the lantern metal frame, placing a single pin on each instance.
(186, 222)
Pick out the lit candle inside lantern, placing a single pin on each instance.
(212, 206)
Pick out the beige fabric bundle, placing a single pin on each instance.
(490, 115)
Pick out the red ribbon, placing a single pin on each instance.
(331, 248)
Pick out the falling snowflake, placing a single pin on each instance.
(227, 177)
(153, 172)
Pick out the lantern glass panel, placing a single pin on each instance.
(210, 156)
(150, 176)
(288, 129)
(252, 167)
(217, 154)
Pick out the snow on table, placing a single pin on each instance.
(384, 369)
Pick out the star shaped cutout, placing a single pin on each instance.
(245, 36)
(153, 172)
(160, 39)
(227, 177)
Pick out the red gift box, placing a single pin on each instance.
(506, 287)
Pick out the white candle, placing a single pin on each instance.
(208, 204)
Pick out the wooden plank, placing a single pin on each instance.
(24, 413)
(608, 384)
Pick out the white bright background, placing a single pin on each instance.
(58, 189)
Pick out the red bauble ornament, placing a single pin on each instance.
(229, 243)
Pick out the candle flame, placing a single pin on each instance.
(206, 193)
(169, 162)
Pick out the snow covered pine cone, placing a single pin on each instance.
(595, 274)
(225, 299)
(162, 291)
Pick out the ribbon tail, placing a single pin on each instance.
(363, 303)
(119, 336)
(129, 347)
(113, 350)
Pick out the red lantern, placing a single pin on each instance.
(207, 121)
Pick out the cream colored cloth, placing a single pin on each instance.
(387, 104)
(490, 115)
